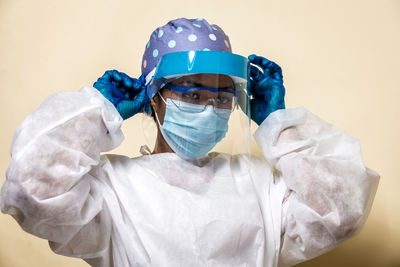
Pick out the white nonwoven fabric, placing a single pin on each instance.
(309, 192)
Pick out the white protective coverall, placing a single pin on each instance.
(309, 192)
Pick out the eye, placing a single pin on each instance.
(191, 96)
(224, 99)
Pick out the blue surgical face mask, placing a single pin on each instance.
(193, 130)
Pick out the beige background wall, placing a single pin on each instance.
(340, 59)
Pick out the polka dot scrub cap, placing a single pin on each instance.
(183, 35)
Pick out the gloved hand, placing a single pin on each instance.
(266, 88)
(127, 94)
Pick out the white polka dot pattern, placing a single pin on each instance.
(192, 37)
(155, 52)
(183, 35)
(171, 44)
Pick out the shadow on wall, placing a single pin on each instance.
(362, 251)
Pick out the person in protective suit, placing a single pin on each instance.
(186, 203)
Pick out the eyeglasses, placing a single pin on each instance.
(219, 97)
(224, 101)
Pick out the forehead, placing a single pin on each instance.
(207, 80)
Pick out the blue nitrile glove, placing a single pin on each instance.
(266, 88)
(127, 94)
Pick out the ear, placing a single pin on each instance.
(153, 103)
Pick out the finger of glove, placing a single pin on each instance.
(102, 86)
(110, 90)
(116, 92)
(128, 108)
(142, 97)
(116, 76)
(259, 82)
(137, 89)
(106, 76)
(275, 70)
(266, 65)
(122, 81)
(259, 61)
(271, 99)
(126, 82)
(132, 86)
(138, 84)
(256, 74)
(107, 94)
(106, 91)
(262, 79)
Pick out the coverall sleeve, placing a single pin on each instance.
(329, 190)
(52, 187)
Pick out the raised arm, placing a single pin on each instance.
(55, 185)
(329, 190)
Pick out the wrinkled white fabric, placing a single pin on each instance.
(309, 192)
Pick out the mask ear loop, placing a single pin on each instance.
(162, 98)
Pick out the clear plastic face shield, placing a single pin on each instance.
(202, 108)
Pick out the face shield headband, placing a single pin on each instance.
(175, 65)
